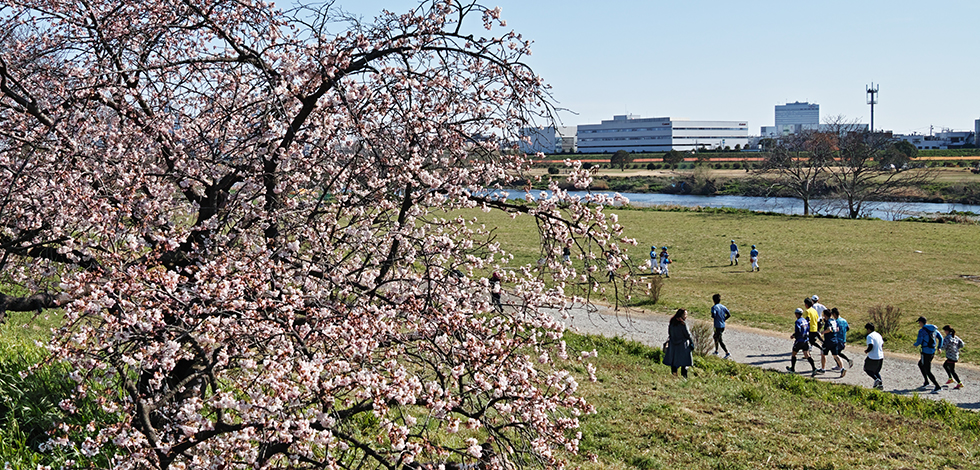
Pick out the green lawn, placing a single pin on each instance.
(733, 416)
(851, 264)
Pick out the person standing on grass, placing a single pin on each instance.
(664, 261)
(814, 318)
(801, 337)
(653, 260)
(754, 258)
(720, 313)
(930, 340)
(830, 344)
(733, 258)
(876, 356)
(843, 328)
(680, 345)
(952, 345)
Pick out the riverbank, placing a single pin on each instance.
(955, 185)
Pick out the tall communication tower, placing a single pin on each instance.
(872, 100)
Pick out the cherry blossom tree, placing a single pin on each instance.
(259, 224)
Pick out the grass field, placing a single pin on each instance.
(732, 416)
(851, 264)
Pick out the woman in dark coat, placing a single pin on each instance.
(679, 344)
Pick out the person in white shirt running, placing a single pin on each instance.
(872, 365)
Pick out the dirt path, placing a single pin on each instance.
(766, 349)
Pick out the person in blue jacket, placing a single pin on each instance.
(930, 340)
(733, 258)
(754, 258)
(801, 342)
(720, 313)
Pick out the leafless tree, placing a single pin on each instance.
(799, 162)
(858, 175)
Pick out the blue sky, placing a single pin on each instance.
(736, 60)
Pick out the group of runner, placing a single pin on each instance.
(820, 327)
(823, 328)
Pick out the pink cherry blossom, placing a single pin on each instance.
(252, 219)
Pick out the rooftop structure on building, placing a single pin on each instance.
(660, 134)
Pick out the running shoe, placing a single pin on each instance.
(850, 364)
(879, 385)
(727, 356)
(819, 371)
(835, 368)
(958, 386)
(950, 381)
(791, 369)
(938, 388)
(843, 372)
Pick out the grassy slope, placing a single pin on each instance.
(732, 416)
(850, 264)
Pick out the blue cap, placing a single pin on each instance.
(753, 246)
(799, 310)
(665, 248)
(733, 241)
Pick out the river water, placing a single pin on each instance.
(786, 205)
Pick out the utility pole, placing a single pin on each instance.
(872, 92)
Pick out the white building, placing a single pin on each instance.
(793, 118)
(942, 140)
(635, 134)
(548, 139)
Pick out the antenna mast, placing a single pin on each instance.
(872, 92)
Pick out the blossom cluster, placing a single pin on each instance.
(258, 223)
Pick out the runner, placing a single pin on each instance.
(830, 344)
(801, 335)
(814, 318)
(929, 339)
(876, 356)
(819, 307)
(754, 258)
(842, 335)
(720, 313)
(952, 345)
(733, 258)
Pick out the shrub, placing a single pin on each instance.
(886, 319)
(736, 165)
(726, 165)
(656, 284)
(552, 170)
(702, 333)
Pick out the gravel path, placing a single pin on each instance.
(771, 350)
